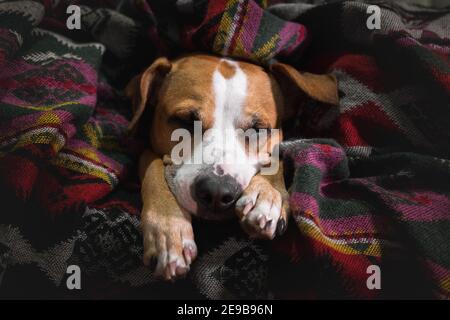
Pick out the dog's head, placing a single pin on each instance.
(223, 105)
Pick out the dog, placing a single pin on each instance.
(223, 94)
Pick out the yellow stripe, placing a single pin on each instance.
(50, 107)
(39, 138)
(445, 284)
(313, 232)
(82, 168)
(224, 28)
(93, 132)
(267, 48)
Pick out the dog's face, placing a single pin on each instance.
(233, 101)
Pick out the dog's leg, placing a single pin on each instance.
(166, 228)
(263, 207)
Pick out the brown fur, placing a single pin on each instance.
(183, 86)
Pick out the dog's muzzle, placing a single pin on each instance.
(215, 195)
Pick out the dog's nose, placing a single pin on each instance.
(216, 193)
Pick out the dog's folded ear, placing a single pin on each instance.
(142, 86)
(295, 85)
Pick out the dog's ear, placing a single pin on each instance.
(295, 85)
(140, 87)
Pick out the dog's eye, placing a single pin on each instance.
(258, 127)
(258, 124)
(185, 121)
(180, 121)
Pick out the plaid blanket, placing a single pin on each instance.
(369, 182)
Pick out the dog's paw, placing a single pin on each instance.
(169, 243)
(262, 210)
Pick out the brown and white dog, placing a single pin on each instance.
(223, 94)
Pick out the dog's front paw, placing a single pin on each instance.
(262, 210)
(168, 242)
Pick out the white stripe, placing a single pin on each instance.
(86, 163)
(60, 138)
(48, 57)
(67, 42)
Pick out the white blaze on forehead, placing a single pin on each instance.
(222, 143)
(230, 95)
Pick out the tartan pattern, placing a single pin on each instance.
(377, 193)
(365, 220)
(242, 29)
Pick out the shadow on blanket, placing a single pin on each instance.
(369, 187)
